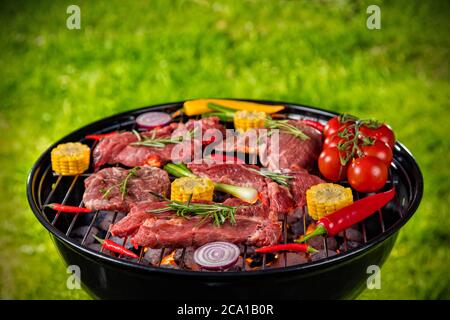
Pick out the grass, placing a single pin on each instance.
(127, 55)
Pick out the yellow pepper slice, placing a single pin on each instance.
(200, 106)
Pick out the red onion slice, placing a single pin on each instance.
(217, 255)
(151, 120)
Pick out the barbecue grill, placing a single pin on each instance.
(106, 275)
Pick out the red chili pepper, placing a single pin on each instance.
(315, 124)
(350, 215)
(117, 248)
(295, 247)
(71, 209)
(226, 159)
(100, 136)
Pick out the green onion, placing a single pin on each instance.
(246, 194)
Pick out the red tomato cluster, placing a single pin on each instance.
(365, 164)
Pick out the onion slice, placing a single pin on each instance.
(151, 120)
(217, 255)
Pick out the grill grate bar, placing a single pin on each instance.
(244, 257)
(141, 254)
(74, 220)
(50, 195)
(89, 228)
(108, 233)
(161, 256)
(183, 253)
(66, 197)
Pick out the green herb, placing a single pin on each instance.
(217, 212)
(286, 127)
(155, 142)
(279, 178)
(122, 186)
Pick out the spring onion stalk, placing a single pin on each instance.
(249, 195)
(246, 194)
(222, 116)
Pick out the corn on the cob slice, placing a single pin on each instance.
(70, 159)
(246, 120)
(200, 188)
(325, 198)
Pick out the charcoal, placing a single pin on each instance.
(81, 231)
(292, 259)
(296, 229)
(353, 235)
(105, 219)
(318, 243)
(350, 245)
(322, 255)
(152, 256)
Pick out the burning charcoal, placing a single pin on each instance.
(322, 255)
(189, 262)
(81, 231)
(292, 259)
(297, 229)
(298, 213)
(237, 266)
(250, 251)
(318, 243)
(152, 256)
(105, 219)
(332, 244)
(256, 260)
(353, 235)
(119, 241)
(350, 245)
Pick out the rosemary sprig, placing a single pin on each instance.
(286, 127)
(279, 178)
(217, 212)
(152, 141)
(123, 185)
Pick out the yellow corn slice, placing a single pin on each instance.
(325, 198)
(246, 120)
(200, 188)
(70, 159)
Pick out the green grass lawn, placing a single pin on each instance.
(54, 80)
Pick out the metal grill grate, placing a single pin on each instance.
(59, 184)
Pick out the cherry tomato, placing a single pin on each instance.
(333, 141)
(379, 150)
(367, 174)
(330, 164)
(331, 127)
(334, 125)
(383, 133)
